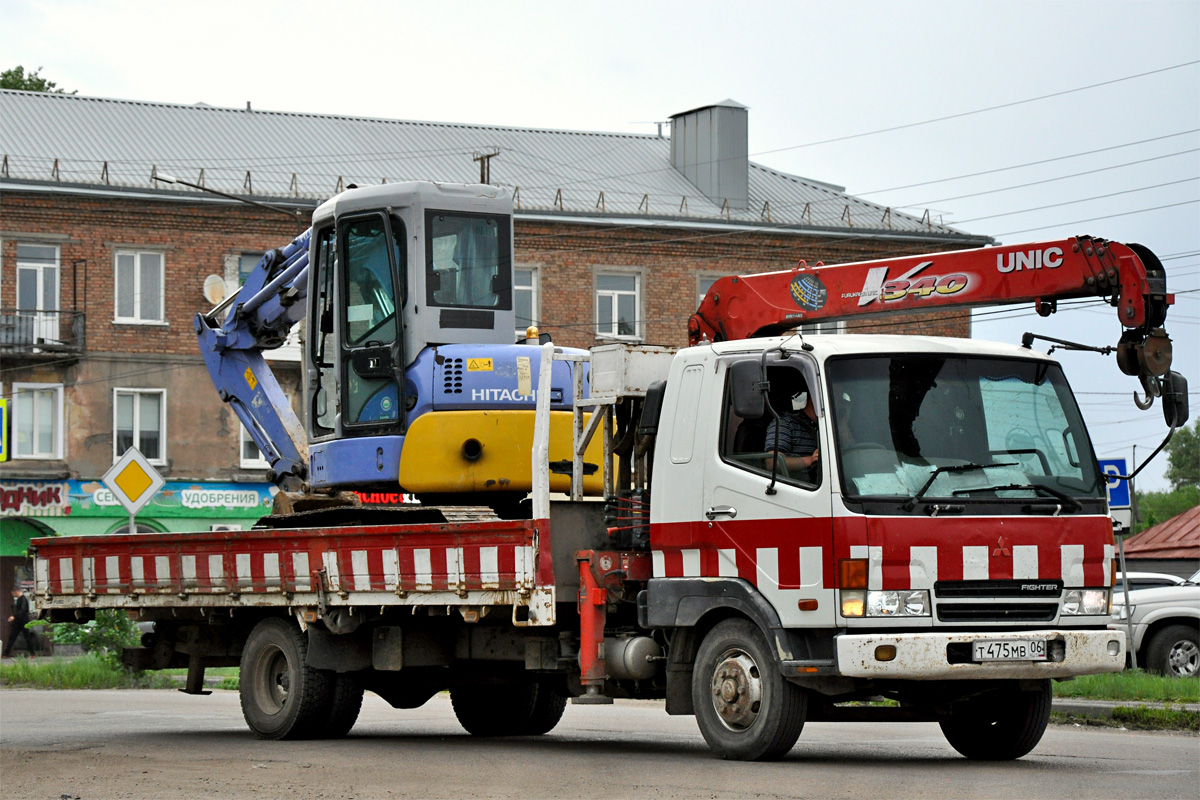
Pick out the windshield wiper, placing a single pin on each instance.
(911, 503)
(1072, 503)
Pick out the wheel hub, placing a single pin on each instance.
(737, 690)
(1184, 659)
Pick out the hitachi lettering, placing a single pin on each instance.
(1050, 258)
(502, 395)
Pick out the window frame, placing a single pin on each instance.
(138, 254)
(245, 438)
(638, 302)
(59, 412)
(161, 459)
(534, 289)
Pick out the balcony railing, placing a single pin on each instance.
(33, 333)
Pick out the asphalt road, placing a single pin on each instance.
(162, 744)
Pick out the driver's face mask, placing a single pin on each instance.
(799, 401)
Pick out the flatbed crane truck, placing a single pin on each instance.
(950, 549)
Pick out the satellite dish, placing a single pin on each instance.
(214, 289)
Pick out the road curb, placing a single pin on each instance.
(1103, 709)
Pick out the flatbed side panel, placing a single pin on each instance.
(461, 557)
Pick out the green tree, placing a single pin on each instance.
(16, 78)
(1156, 507)
(1183, 457)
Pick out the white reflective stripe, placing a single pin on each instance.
(454, 569)
(1110, 552)
(112, 572)
(330, 560)
(691, 563)
(812, 567)
(66, 574)
(975, 563)
(188, 565)
(360, 576)
(922, 567)
(727, 563)
(1072, 564)
(137, 572)
(162, 570)
(89, 574)
(1025, 561)
(489, 566)
(768, 567)
(241, 565)
(391, 569)
(525, 568)
(423, 568)
(658, 562)
(41, 573)
(216, 571)
(874, 567)
(300, 567)
(271, 568)
(858, 551)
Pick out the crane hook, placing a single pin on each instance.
(1153, 390)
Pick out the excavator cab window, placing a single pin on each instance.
(467, 260)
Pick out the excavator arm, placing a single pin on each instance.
(1129, 277)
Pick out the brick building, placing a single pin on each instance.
(102, 268)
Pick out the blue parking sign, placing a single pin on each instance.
(1118, 490)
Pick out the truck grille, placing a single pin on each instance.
(953, 590)
(997, 612)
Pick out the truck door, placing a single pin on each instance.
(776, 532)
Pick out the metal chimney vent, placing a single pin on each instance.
(710, 147)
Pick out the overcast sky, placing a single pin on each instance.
(810, 73)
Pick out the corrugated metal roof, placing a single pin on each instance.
(120, 143)
(1178, 537)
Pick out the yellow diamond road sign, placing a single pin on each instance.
(133, 481)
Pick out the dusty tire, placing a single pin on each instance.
(345, 703)
(524, 708)
(1000, 726)
(1175, 652)
(744, 707)
(281, 697)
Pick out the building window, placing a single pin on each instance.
(703, 284)
(525, 299)
(140, 420)
(251, 456)
(618, 298)
(37, 420)
(37, 294)
(828, 326)
(139, 287)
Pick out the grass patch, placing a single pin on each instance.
(1131, 685)
(85, 672)
(1136, 718)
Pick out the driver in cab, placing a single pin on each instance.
(798, 438)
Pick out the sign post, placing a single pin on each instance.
(1119, 507)
(133, 482)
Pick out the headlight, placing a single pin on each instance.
(1085, 602)
(907, 603)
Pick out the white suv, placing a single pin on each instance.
(1166, 627)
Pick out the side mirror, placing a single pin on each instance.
(745, 384)
(1175, 399)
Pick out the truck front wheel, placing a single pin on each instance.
(1001, 725)
(282, 698)
(744, 707)
(521, 708)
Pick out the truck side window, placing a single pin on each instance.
(750, 443)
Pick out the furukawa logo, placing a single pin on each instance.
(912, 283)
(1018, 261)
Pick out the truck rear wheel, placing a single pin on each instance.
(523, 708)
(345, 703)
(282, 698)
(744, 707)
(1000, 725)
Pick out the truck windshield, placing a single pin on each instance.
(467, 260)
(966, 429)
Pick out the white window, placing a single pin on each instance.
(139, 287)
(703, 284)
(525, 299)
(237, 269)
(37, 420)
(251, 456)
(618, 298)
(140, 420)
(37, 293)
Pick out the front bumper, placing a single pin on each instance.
(933, 656)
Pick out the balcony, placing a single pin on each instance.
(36, 335)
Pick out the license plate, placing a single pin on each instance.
(1010, 650)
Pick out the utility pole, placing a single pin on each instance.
(485, 165)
